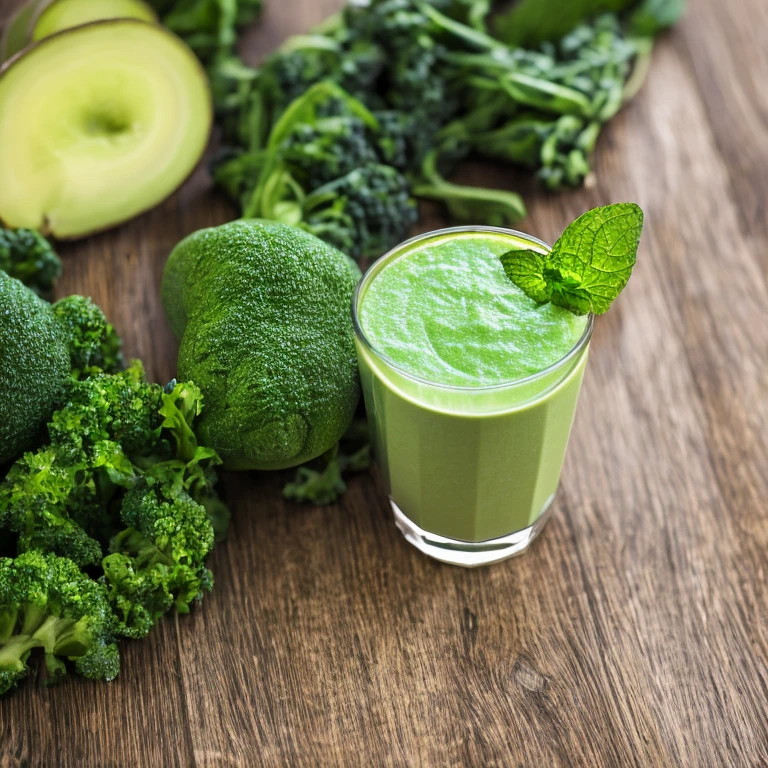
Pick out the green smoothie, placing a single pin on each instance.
(470, 387)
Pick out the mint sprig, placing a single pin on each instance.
(588, 266)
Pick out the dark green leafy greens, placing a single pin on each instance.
(537, 21)
(588, 266)
(322, 169)
(209, 27)
(419, 86)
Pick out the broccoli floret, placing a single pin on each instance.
(159, 560)
(414, 80)
(178, 462)
(47, 602)
(325, 483)
(332, 146)
(91, 340)
(28, 256)
(364, 213)
(121, 408)
(52, 497)
(172, 516)
(397, 139)
(36, 497)
(290, 72)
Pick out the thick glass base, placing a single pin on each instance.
(468, 553)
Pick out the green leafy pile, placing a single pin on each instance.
(209, 27)
(109, 521)
(415, 87)
(324, 168)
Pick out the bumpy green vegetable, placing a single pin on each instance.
(34, 362)
(40, 346)
(262, 311)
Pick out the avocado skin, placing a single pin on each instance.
(263, 314)
(34, 364)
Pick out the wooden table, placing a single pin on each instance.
(634, 633)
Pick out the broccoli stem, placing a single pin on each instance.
(469, 204)
(34, 616)
(62, 636)
(13, 654)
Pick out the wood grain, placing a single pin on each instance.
(633, 634)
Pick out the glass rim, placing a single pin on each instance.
(525, 380)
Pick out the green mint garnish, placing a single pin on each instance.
(587, 267)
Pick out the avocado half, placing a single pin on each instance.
(57, 15)
(97, 124)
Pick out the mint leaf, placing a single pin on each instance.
(588, 266)
(526, 270)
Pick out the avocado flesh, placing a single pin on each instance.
(98, 124)
(65, 14)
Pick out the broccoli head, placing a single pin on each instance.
(364, 213)
(92, 341)
(332, 146)
(28, 256)
(290, 72)
(34, 364)
(47, 602)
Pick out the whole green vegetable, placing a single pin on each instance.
(262, 311)
(34, 362)
(40, 344)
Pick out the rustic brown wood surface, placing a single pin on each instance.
(634, 633)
